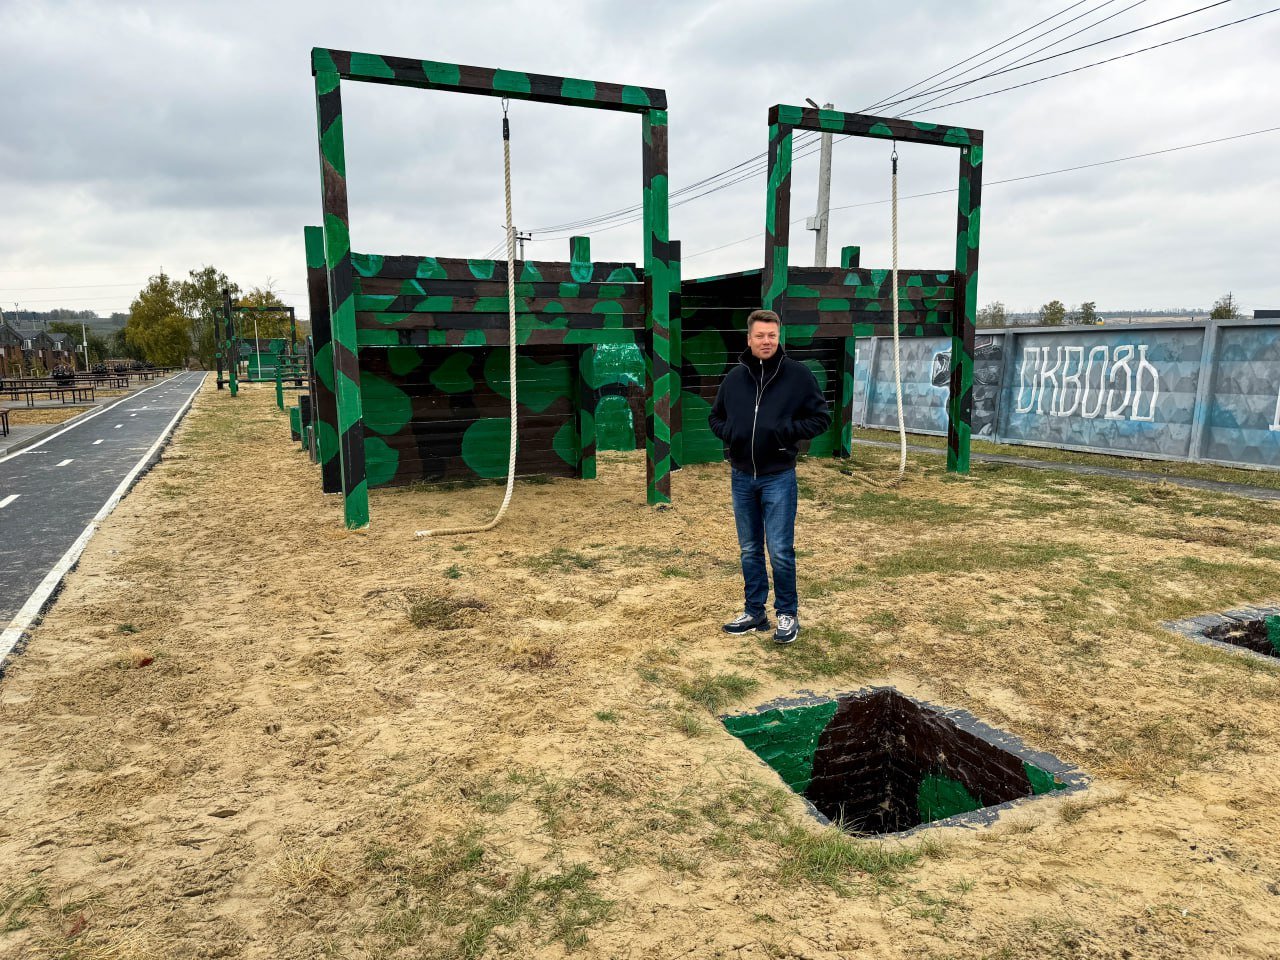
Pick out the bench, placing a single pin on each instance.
(4, 421)
(82, 394)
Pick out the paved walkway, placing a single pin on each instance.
(54, 492)
(1141, 476)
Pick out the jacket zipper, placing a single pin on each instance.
(755, 473)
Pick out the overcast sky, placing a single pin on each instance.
(142, 136)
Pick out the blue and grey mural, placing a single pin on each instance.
(1118, 391)
(926, 371)
(1185, 391)
(1243, 419)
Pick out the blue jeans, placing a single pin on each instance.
(765, 511)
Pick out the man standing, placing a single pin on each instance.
(766, 405)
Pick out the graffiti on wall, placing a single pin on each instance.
(1117, 383)
(988, 357)
(1275, 422)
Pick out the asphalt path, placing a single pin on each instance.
(53, 493)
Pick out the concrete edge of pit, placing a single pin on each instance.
(1073, 778)
(1197, 628)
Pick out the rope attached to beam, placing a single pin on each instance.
(897, 354)
(511, 345)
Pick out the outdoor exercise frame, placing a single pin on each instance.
(778, 293)
(227, 347)
(661, 284)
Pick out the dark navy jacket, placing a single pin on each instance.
(764, 408)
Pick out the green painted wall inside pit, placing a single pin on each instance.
(940, 796)
(1273, 633)
(785, 739)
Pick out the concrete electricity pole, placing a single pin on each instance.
(84, 342)
(818, 222)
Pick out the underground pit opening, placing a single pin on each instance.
(878, 762)
(1254, 630)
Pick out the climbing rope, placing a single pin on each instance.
(511, 343)
(897, 354)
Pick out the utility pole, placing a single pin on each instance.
(520, 239)
(818, 222)
(84, 342)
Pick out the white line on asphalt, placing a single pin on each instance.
(98, 441)
(40, 596)
(9, 499)
(118, 426)
(65, 462)
(77, 421)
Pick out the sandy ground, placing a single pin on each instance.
(243, 731)
(26, 416)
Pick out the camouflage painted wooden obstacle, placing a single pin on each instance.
(825, 309)
(850, 301)
(408, 404)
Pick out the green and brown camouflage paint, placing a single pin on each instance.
(844, 302)
(393, 317)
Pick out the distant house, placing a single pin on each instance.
(65, 349)
(38, 352)
(10, 351)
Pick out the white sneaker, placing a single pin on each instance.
(788, 629)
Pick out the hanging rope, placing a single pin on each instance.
(897, 354)
(511, 343)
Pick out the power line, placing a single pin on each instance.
(83, 286)
(753, 167)
(937, 93)
(1064, 53)
(1099, 63)
(746, 169)
(1029, 176)
(978, 54)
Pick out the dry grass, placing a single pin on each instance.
(366, 745)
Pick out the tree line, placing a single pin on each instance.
(172, 321)
(1056, 314)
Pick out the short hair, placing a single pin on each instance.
(762, 316)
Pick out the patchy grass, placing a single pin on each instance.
(561, 560)
(18, 901)
(833, 859)
(714, 692)
(442, 611)
(824, 651)
(1200, 471)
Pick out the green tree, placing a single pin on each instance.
(270, 325)
(1225, 308)
(992, 315)
(200, 298)
(157, 328)
(1053, 313)
(1089, 312)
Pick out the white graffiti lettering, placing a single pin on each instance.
(1275, 425)
(1095, 353)
(1060, 381)
(1027, 364)
(1072, 380)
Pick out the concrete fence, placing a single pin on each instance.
(1202, 392)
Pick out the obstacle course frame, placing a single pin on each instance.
(409, 327)
(793, 291)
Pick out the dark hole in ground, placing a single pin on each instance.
(1260, 634)
(879, 762)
